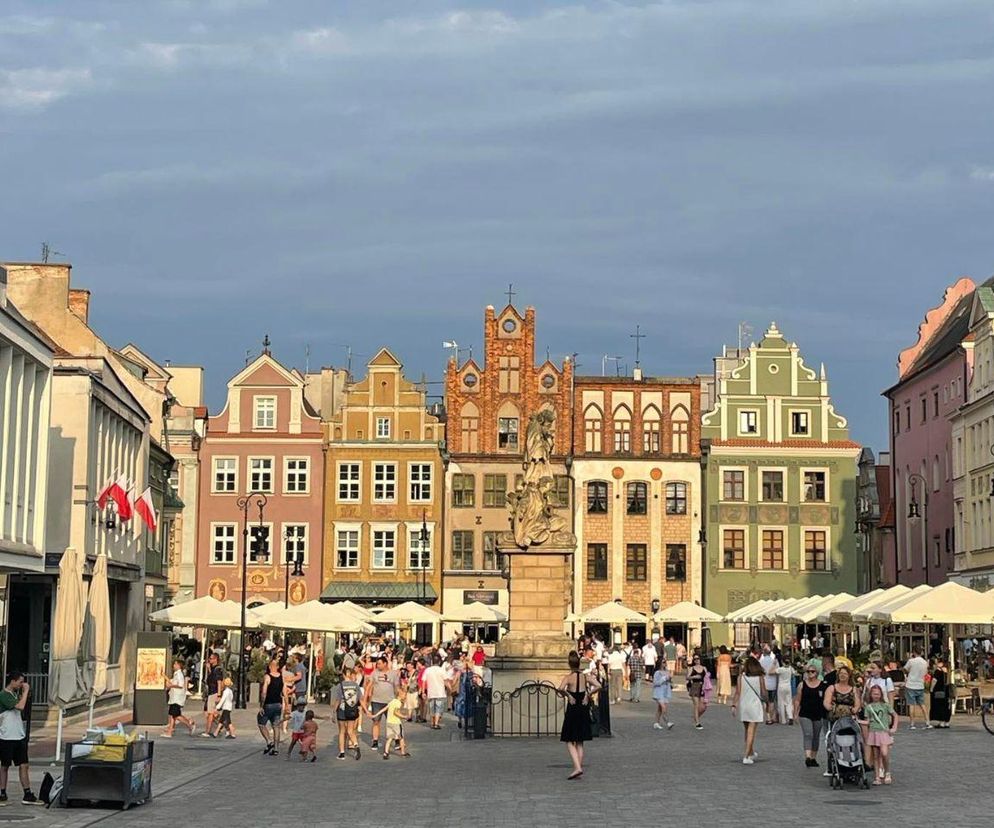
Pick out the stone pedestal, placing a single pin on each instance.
(536, 648)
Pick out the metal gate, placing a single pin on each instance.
(535, 708)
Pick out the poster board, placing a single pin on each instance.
(151, 664)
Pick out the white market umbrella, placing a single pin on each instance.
(265, 612)
(205, 612)
(686, 612)
(744, 614)
(315, 616)
(809, 613)
(477, 612)
(856, 614)
(613, 613)
(99, 626)
(840, 613)
(949, 603)
(355, 609)
(879, 613)
(410, 612)
(777, 612)
(67, 627)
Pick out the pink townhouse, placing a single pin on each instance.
(266, 441)
(932, 375)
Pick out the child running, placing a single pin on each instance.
(882, 722)
(225, 704)
(662, 692)
(396, 712)
(296, 728)
(309, 738)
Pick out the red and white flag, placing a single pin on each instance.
(105, 495)
(118, 492)
(144, 507)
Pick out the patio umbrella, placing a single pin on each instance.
(99, 628)
(743, 614)
(409, 612)
(810, 612)
(477, 612)
(614, 614)
(205, 612)
(949, 603)
(355, 609)
(686, 612)
(879, 612)
(315, 616)
(67, 626)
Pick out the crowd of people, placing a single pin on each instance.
(380, 686)
(803, 683)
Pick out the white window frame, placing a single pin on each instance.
(306, 471)
(755, 413)
(257, 409)
(828, 548)
(382, 428)
(828, 483)
(272, 473)
(745, 483)
(759, 483)
(285, 541)
(747, 550)
(807, 413)
(382, 527)
(348, 527)
(414, 545)
(384, 483)
(759, 548)
(214, 489)
(234, 539)
(357, 483)
(411, 482)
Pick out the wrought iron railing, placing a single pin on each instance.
(535, 708)
(38, 682)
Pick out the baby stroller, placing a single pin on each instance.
(845, 754)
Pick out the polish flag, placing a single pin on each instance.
(144, 507)
(118, 492)
(105, 495)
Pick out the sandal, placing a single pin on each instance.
(887, 779)
(575, 775)
(876, 781)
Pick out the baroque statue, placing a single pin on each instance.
(532, 514)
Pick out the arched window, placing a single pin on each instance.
(651, 418)
(507, 427)
(469, 428)
(680, 430)
(593, 426)
(622, 430)
(638, 498)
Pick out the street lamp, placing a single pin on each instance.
(260, 545)
(915, 514)
(294, 557)
(423, 537)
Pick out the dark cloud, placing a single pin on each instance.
(377, 173)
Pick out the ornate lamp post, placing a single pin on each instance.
(259, 543)
(423, 538)
(915, 514)
(293, 560)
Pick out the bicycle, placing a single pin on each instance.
(987, 715)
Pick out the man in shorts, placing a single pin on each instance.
(13, 737)
(435, 690)
(380, 691)
(214, 676)
(914, 687)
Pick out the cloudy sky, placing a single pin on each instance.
(373, 173)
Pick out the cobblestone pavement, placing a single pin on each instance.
(940, 776)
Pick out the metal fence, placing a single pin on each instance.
(536, 708)
(38, 682)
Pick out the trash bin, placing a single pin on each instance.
(89, 777)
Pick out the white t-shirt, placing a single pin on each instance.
(649, 655)
(616, 660)
(885, 683)
(177, 695)
(11, 726)
(769, 662)
(915, 671)
(227, 700)
(805, 644)
(434, 678)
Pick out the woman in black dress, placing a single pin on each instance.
(939, 710)
(577, 688)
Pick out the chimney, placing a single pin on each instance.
(79, 304)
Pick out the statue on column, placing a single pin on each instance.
(532, 514)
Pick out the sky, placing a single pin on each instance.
(375, 173)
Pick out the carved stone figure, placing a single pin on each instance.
(533, 516)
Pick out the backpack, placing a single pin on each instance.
(348, 707)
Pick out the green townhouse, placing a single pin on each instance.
(779, 483)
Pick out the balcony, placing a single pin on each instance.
(154, 563)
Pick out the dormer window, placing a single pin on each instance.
(265, 413)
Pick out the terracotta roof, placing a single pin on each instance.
(808, 444)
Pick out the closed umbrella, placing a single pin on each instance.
(99, 624)
(70, 602)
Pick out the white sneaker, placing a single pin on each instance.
(754, 755)
(747, 760)
(657, 726)
(669, 725)
(913, 728)
(928, 727)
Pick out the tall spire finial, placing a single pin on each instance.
(265, 345)
(510, 293)
(638, 336)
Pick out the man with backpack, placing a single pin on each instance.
(347, 699)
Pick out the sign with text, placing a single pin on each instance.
(484, 596)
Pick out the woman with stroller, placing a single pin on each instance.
(841, 698)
